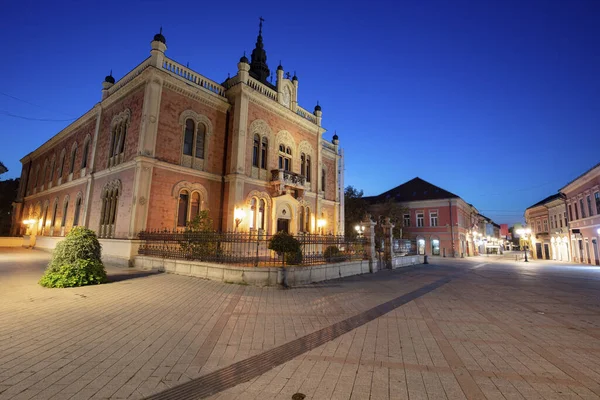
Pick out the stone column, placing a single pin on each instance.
(370, 242)
(388, 228)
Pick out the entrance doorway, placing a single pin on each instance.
(538, 251)
(546, 251)
(421, 246)
(435, 247)
(283, 225)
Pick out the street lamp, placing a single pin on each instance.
(238, 216)
(524, 233)
(321, 224)
(360, 229)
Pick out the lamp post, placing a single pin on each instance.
(360, 230)
(238, 216)
(524, 233)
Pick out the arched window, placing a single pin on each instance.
(117, 138)
(308, 168)
(63, 221)
(86, 150)
(53, 221)
(51, 171)
(255, 152)
(200, 138)
(77, 211)
(188, 138)
(285, 158)
(323, 179)
(110, 202)
(36, 177)
(44, 218)
(45, 177)
(301, 219)
(253, 213)
(261, 215)
(264, 152)
(195, 207)
(61, 163)
(307, 221)
(184, 199)
(303, 164)
(73, 155)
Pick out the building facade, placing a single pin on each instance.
(440, 222)
(537, 218)
(582, 197)
(165, 143)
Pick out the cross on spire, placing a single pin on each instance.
(260, 25)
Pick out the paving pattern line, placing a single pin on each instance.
(242, 371)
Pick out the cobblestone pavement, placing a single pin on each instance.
(501, 330)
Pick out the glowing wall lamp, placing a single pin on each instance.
(238, 216)
(321, 224)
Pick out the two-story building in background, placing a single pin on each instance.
(166, 142)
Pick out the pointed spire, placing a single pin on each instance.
(258, 67)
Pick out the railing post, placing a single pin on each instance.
(370, 242)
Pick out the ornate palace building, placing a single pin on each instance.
(165, 143)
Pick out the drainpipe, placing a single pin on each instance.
(225, 149)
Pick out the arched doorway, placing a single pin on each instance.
(420, 245)
(284, 216)
(435, 246)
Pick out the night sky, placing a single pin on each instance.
(495, 101)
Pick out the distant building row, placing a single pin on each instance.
(566, 225)
(441, 222)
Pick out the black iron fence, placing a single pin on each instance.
(249, 248)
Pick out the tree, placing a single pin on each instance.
(392, 210)
(355, 208)
(8, 194)
(200, 242)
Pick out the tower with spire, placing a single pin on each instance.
(259, 69)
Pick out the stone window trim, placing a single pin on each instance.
(304, 215)
(195, 161)
(433, 218)
(256, 221)
(118, 133)
(285, 138)
(109, 209)
(307, 156)
(43, 218)
(44, 175)
(420, 217)
(191, 189)
(262, 129)
(406, 220)
(285, 158)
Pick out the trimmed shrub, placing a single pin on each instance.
(288, 246)
(75, 261)
(332, 254)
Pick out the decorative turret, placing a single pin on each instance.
(336, 139)
(259, 69)
(243, 68)
(159, 46)
(244, 59)
(109, 81)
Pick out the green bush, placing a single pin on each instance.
(200, 241)
(75, 261)
(288, 246)
(332, 254)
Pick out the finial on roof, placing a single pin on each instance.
(244, 59)
(280, 67)
(159, 37)
(109, 78)
(317, 107)
(294, 78)
(260, 25)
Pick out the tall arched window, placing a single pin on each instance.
(308, 172)
(195, 206)
(61, 163)
(307, 221)
(44, 219)
(45, 176)
(77, 211)
(303, 164)
(118, 136)
(323, 179)
(53, 221)
(63, 221)
(261, 214)
(253, 213)
(301, 219)
(184, 199)
(86, 150)
(36, 177)
(255, 150)
(200, 138)
(188, 138)
(73, 156)
(51, 171)
(264, 152)
(110, 202)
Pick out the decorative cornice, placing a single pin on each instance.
(199, 94)
(58, 188)
(114, 169)
(177, 168)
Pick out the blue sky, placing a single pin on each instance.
(496, 101)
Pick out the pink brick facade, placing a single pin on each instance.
(147, 167)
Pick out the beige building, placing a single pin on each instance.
(549, 239)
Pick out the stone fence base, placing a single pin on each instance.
(405, 261)
(8, 241)
(260, 276)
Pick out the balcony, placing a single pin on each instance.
(286, 179)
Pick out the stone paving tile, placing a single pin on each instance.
(504, 330)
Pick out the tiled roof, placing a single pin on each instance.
(546, 200)
(414, 190)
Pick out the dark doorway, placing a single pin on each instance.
(283, 225)
(538, 251)
(546, 252)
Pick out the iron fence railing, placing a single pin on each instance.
(404, 247)
(249, 248)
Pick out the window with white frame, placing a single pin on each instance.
(420, 219)
(545, 225)
(406, 220)
(433, 218)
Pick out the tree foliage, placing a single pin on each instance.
(285, 244)
(76, 261)
(200, 240)
(355, 208)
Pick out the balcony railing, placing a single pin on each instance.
(287, 178)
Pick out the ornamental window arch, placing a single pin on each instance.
(51, 170)
(77, 211)
(306, 159)
(61, 163)
(109, 209)
(65, 210)
(44, 217)
(259, 205)
(54, 215)
(73, 158)
(286, 147)
(191, 199)
(87, 142)
(304, 217)
(118, 135)
(261, 138)
(196, 129)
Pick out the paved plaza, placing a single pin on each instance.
(478, 328)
